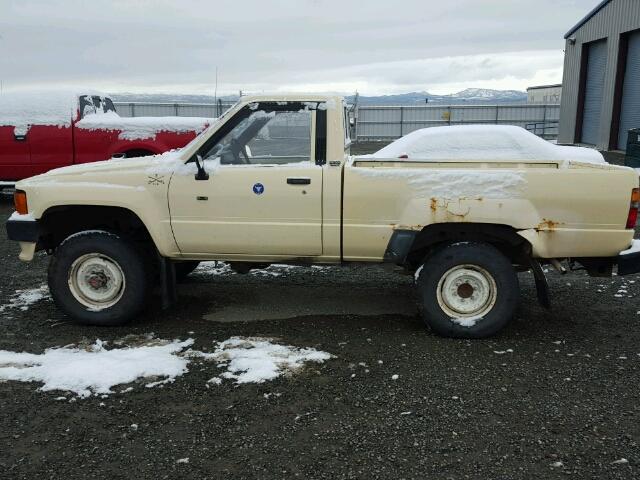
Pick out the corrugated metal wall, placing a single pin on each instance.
(139, 109)
(630, 111)
(385, 123)
(594, 91)
(617, 17)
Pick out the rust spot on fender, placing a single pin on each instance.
(548, 225)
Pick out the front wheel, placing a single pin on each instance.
(97, 278)
(468, 290)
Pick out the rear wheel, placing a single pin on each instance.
(468, 290)
(97, 278)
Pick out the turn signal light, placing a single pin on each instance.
(632, 219)
(20, 202)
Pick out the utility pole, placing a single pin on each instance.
(215, 91)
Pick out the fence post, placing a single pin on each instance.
(355, 122)
(497, 114)
(450, 113)
(133, 109)
(175, 108)
(401, 120)
(544, 121)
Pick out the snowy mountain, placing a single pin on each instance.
(477, 96)
(471, 96)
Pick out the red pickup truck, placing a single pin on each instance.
(40, 131)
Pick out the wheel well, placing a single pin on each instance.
(138, 152)
(503, 237)
(61, 221)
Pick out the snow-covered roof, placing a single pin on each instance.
(482, 142)
(41, 107)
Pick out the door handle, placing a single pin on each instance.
(298, 181)
(20, 138)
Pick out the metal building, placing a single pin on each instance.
(601, 84)
(544, 94)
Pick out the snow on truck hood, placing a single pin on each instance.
(135, 128)
(482, 142)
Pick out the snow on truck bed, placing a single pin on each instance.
(482, 142)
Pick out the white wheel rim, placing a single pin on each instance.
(96, 281)
(466, 291)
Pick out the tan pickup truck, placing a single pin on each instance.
(273, 181)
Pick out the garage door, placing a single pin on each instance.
(594, 89)
(630, 111)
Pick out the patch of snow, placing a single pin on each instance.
(183, 460)
(94, 369)
(634, 248)
(256, 360)
(395, 377)
(23, 299)
(622, 461)
(483, 142)
(417, 273)
(214, 268)
(467, 322)
(137, 128)
(453, 183)
(20, 217)
(556, 464)
(275, 270)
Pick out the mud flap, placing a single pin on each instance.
(168, 289)
(542, 287)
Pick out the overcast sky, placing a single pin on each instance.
(373, 46)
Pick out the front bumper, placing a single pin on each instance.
(26, 233)
(23, 230)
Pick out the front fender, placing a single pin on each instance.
(147, 200)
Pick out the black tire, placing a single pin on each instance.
(133, 295)
(480, 259)
(183, 269)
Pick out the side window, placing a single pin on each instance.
(86, 106)
(286, 138)
(264, 137)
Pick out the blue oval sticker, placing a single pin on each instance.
(258, 188)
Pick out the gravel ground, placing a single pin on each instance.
(555, 394)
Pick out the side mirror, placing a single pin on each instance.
(201, 174)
